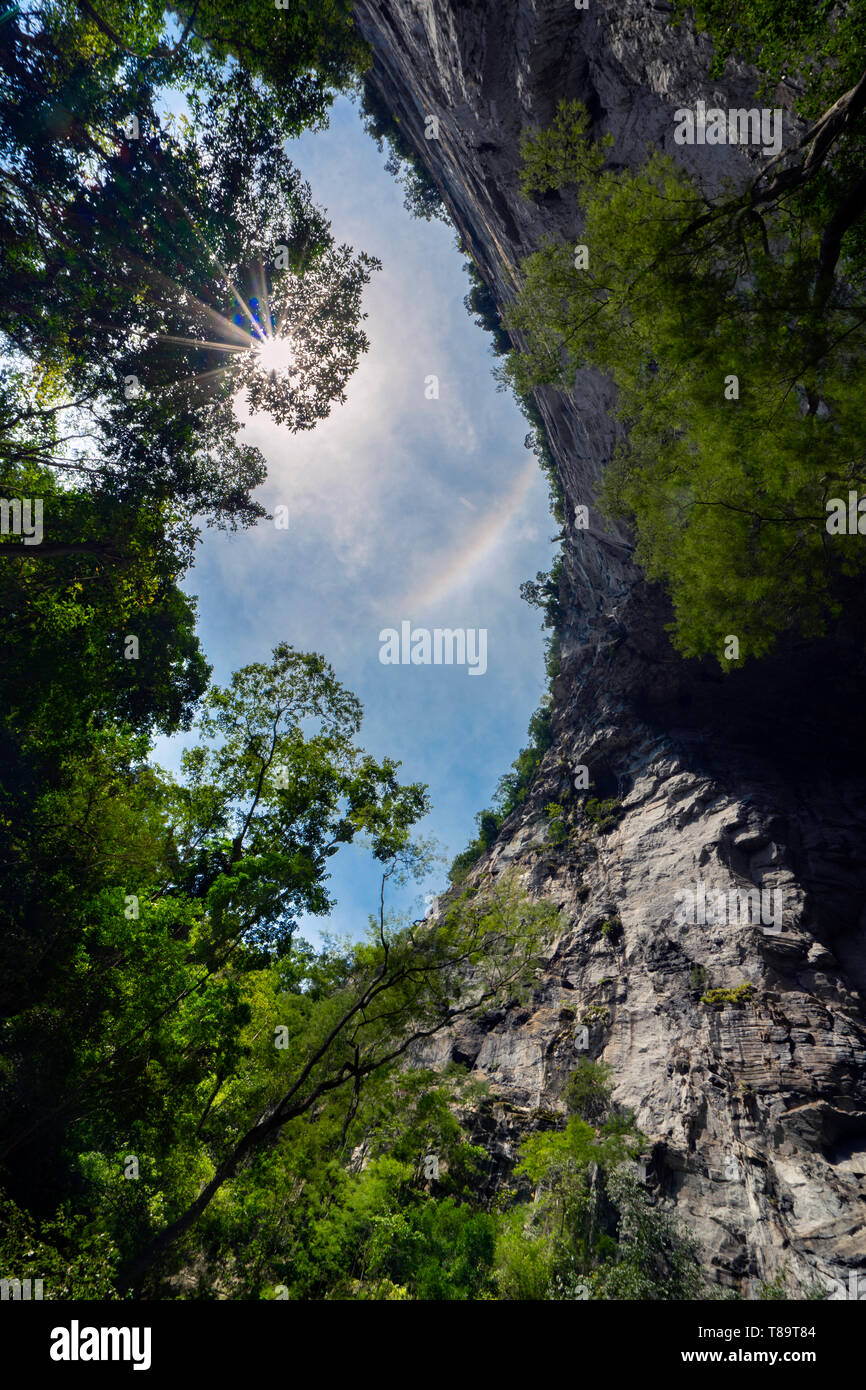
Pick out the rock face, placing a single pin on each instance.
(756, 1110)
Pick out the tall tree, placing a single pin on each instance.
(397, 989)
(733, 326)
(140, 904)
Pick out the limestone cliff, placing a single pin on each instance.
(749, 780)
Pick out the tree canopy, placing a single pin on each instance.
(150, 260)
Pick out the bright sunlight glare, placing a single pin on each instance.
(275, 354)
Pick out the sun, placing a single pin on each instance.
(275, 355)
(254, 339)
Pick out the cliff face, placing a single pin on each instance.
(756, 1113)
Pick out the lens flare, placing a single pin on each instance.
(275, 355)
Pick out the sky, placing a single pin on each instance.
(401, 508)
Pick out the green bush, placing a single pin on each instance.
(589, 1089)
(558, 824)
(604, 815)
(595, 1013)
(821, 42)
(718, 998)
(656, 1257)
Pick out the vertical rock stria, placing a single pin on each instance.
(756, 1112)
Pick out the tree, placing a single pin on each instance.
(656, 1258)
(592, 1230)
(567, 1169)
(732, 325)
(154, 268)
(589, 1090)
(817, 48)
(274, 787)
(301, 53)
(153, 277)
(337, 1211)
(70, 664)
(398, 988)
(141, 903)
(421, 195)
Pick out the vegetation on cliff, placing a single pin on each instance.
(733, 325)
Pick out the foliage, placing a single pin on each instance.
(589, 1089)
(361, 1012)
(421, 197)
(323, 1228)
(71, 1255)
(733, 326)
(605, 814)
(511, 792)
(698, 977)
(488, 823)
(543, 592)
(718, 998)
(142, 269)
(141, 903)
(822, 44)
(481, 303)
(293, 58)
(159, 1006)
(562, 154)
(536, 440)
(591, 1230)
(557, 824)
(657, 1259)
(774, 1290)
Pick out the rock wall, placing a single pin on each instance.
(756, 1112)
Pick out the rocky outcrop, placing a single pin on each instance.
(755, 1108)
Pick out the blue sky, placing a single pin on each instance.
(400, 508)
